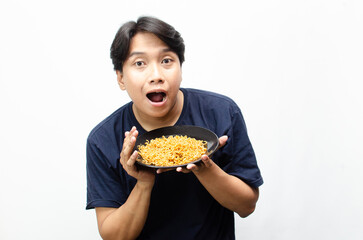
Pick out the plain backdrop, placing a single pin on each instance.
(294, 67)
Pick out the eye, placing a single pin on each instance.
(167, 60)
(139, 63)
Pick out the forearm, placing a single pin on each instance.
(127, 221)
(230, 191)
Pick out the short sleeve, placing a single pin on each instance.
(238, 154)
(103, 181)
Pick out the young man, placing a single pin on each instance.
(196, 202)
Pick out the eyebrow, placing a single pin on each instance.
(142, 53)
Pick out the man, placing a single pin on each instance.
(195, 202)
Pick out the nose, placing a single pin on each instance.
(156, 74)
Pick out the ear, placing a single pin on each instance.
(120, 80)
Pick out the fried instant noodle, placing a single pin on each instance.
(172, 150)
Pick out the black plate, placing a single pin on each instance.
(198, 133)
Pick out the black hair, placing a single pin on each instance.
(165, 32)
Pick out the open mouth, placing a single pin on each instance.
(156, 96)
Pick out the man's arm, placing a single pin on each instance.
(127, 221)
(230, 191)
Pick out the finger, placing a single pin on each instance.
(223, 141)
(161, 170)
(130, 133)
(131, 162)
(192, 167)
(183, 170)
(130, 141)
(133, 131)
(128, 144)
(207, 161)
(126, 139)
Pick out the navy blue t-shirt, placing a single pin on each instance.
(180, 207)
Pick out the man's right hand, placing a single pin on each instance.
(128, 157)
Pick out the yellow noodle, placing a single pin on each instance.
(172, 150)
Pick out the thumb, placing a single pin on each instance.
(207, 161)
(223, 140)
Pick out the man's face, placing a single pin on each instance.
(151, 76)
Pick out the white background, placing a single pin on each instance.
(294, 67)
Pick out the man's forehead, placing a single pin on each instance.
(140, 53)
